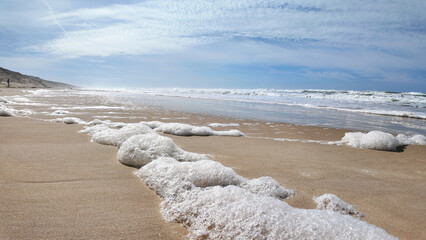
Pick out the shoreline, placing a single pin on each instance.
(388, 186)
(301, 112)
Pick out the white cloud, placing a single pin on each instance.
(158, 27)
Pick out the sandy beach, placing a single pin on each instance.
(56, 184)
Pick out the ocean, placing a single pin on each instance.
(393, 112)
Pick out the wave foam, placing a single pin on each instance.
(414, 140)
(213, 203)
(140, 150)
(161, 175)
(181, 129)
(224, 125)
(232, 212)
(60, 112)
(333, 203)
(116, 137)
(153, 124)
(380, 140)
(69, 120)
(6, 112)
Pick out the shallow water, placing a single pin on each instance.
(388, 112)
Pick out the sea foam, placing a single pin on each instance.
(182, 129)
(161, 175)
(116, 137)
(224, 125)
(332, 202)
(380, 140)
(214, 202)
(233, 212)
(140, 150)
(414, 140)
(69, 120)
(60, 112)
(6, 112)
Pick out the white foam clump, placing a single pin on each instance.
(6, 112)
(235, 213)
(60, 112)
(213, 202)
(232, 212)
(182, 129)
(224, 125)
(267, 186)
(168, 176)
(332, 202)
(380, 140)
(139, 150)
(153, 124)
(91, 130)
(414, 140)
(115, 137)
(108, 123)
(24, 112)
(3, 100)
(69, 120)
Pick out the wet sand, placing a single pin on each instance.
(56, 184)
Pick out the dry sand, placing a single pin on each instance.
(56, 184)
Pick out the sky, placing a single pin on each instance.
(294, 44)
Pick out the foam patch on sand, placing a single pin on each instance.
(108, 123)
(153, 124)
(140, 150)
(323, 142)
(20, 99)
(91, 108)
(182, 129)
(381, 141)
(414, 140)
(267, 186)
(69, 120)
(91, 130)
(224, 125)
(116, 137)
(333, 203)
(163, 173)
(212, 211)
(59, 112)
(214, 202)
(24, 112)
(6, 112)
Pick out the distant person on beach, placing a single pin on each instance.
(8, 83)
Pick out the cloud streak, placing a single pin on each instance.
(158, 27)
(53, 16)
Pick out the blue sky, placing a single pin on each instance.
(361, 45)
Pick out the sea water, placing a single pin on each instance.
(362, 110)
